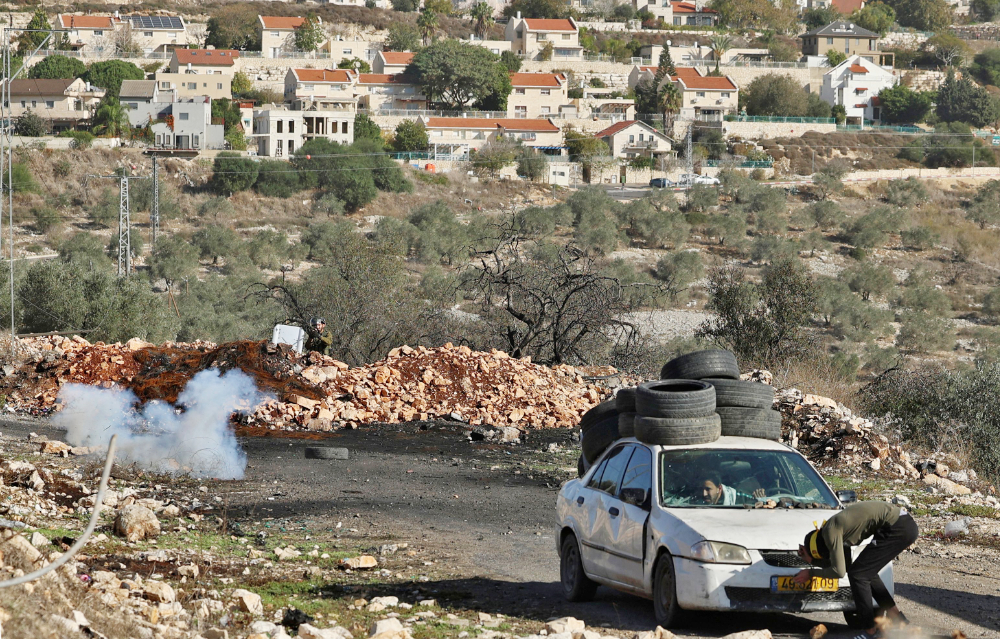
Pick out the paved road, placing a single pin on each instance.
(464, 499)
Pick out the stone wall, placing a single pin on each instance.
(759, 130)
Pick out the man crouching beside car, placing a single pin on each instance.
(892, 531)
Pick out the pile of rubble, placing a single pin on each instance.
(313, 391)
(416, 384)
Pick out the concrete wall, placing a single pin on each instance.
(62, 143)
(759, 130)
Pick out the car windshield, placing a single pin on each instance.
(719, 478)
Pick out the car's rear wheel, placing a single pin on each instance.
(665, 606)
(576, 585)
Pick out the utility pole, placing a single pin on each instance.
(154, 216)
(124, 220)
(688, 151)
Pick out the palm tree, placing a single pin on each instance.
(482, 18)
(670, 102)
(720, 43)
(111, 118)
(427, 22)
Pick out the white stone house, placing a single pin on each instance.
(529, 36)
(538, 95)
(632, 138)
(63, 104)
(457, 137)
(855, 83)
(380, 91)
(277, 34)
(392, 62)
(189, 126)
(279, 131)
(326, 89)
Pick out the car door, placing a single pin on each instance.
(585, 509)
(607, 511)
(625, 555)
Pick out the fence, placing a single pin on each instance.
(880, 128)
(779, 119)
(412, 113)
(746, 164)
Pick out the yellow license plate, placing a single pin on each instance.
(816, 584)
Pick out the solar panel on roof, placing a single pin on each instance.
(156, 22)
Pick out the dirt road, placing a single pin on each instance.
(487, 512)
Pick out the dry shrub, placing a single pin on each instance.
(817, 375)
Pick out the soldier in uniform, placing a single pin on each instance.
(320, 339)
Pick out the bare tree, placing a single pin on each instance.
(556, 304)
(122, 41)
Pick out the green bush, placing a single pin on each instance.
(323, 238)
(276, 178)
(848, 315)
(537, 221)
(216, 241)
(233, 173)
(30, 125)
(922, 332)
(46, 218)
(442, 237)
(217, 208)
(22, 180)
(328, 204)
(925, 298)
(991, 304)
(869, 279)
(678, 270)
(396, 237)
(906, 193)
(81, 139)
(919, 238)
(105, 211)
(701, 197)
(654, 226)
(268, 249)
(770, 248)
(84, 249)
(729, 228)
(174, 259)
(872, 229)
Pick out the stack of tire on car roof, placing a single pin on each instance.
(698, 398)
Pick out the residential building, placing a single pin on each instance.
(382, 91)
(661, 9)
(844, 37)
(187, 124)
(538, 95)
(495, 46)
(639, 73)
(204, 61)
(338, 49)
(692, 14)
(87, 32)
(63, 104)
(279, 131)
(602, 108)
(705, 98)
(855, 83)
(327, 89)
(529, 37)
(217, 86)
(457, 137)
(632, 138)
(157, 34)
(392, 62)
(277, 34)
(144, 100)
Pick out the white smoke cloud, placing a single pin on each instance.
(159, 437)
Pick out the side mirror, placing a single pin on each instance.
(634, 496)
(847, 496)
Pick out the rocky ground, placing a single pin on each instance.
(420, 527)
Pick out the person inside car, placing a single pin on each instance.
(715, 493)
(892, 530)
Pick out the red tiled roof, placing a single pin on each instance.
(85, 22)
(385, 78)
(545, 24)
(712, 83)
(860, 106)
(614, 128)
(212, 57)
(397, 57)
(685, 72)
(651, 69)
(536, 79)
(876, 101)
(511, 124)
(280, 22)
(847, 7)
(322, 75)
(857, 68)
(687, 7)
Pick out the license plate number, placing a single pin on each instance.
(816, 584)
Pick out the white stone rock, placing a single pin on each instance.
(388, 602)
(263, 627)
(386, 628)
(565, 624)
(248, 601)
(158, 592)
(307, 631)
(750, 634)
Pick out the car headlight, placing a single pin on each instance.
(716, 552)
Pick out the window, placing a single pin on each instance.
(281, 127)
(147, 34)
(192, 85)
(291, 129)
(631, 139)
(291, 146)
(23, 104)
(829, 40)
(98, 32)
(50, 104)
(546, 110)
(343, 127)
(520, 112)
(204, 85)
(196, 140)
(34, 104)
(184, 116)
(546, 92)
(640, 137)
(700, 94)
(611, 471)
(567, 36)
(519, 91)
(133, 105)
(275, 34)
(542, 37)
(346, 51)
(637, 482)
(164, 85)
(725, 94)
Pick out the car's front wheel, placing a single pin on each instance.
(668, 612)
(576, 585)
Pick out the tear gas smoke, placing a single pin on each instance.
(192, 438)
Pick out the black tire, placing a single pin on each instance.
(668, 612)
(750, 422)
(576, 585)
(598, 414)
(735, 392)
(581, 469)
(675, 398)
(626, 424)
(326, 452)
(598, 437)
(625, 400)
(678, 432)
(701, 364)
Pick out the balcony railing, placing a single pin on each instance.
(777, 118)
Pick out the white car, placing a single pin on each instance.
(691, 179)
(671, 544)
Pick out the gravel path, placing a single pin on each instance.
(670, 324)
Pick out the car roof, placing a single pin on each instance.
(733, 443)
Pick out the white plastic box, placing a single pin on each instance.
(292, 335)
